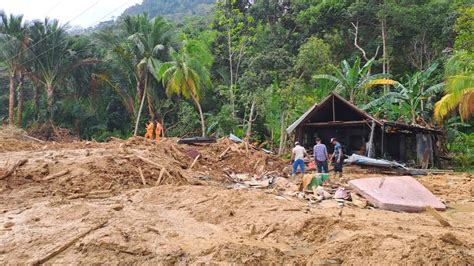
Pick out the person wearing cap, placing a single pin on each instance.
(297, 156)
(337, 157)
(321, 156)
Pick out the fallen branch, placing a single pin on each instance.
(430, 210)
(205, 200)
(149, 161)
(35, 139)
(195, 160)
(268, 231)
(61, 248)
(142, 176)
(291, 209)
(58, 174)
(154, 230)
(158, 182)
(157, 165)
(224, 153)
(13, 168)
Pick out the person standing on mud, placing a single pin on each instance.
(321, 156)
(154, 126)
(337, 157)
(297, 157)
(158, 130)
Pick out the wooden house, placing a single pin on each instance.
(354, 128)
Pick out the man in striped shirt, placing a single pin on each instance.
(321, 156)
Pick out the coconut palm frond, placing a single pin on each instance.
(444, 106)
(466, 105)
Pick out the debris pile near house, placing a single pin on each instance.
(78, 169)
(384, 166)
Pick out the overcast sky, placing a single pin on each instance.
(84, 13)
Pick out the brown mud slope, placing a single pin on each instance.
(86, 202)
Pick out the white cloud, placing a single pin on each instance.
(84, 13)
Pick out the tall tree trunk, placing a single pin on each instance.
(251, 118)
(139, 113)
(21, 100)
(201, 115)
(385, 55)
(11, 103)
(50, 96)
(140, 87)
(77, 124)
(281, 148)
(151, 106)
(231, 69)
(36, 98)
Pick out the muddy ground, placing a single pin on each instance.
(85, 202)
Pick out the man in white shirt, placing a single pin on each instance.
(297, 156)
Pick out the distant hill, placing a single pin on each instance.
(172, 9)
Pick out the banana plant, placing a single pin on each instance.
(412, 97)
(351, 81)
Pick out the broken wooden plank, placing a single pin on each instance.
(292, 209)
(224, 152)
(58, 174)
(194, 162)
(13, 168)
(148, 161)
(142, 176)
(35, 139)
(160, 177)
(65, 246)
(430, 210)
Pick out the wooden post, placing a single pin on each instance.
(333, 110)
(382, 144)
(370, 150)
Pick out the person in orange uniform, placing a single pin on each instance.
(158, 130)
(157, 127)
(149, 130)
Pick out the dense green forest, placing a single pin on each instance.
(243, 67)
(176, 10)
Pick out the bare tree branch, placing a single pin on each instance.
(356, 44)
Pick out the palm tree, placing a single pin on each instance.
(188, 73)
(459, 89)
(14, 42)
(56, 55)
(411, 96)
(137, 49)
(148, 42)
(352, 80)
